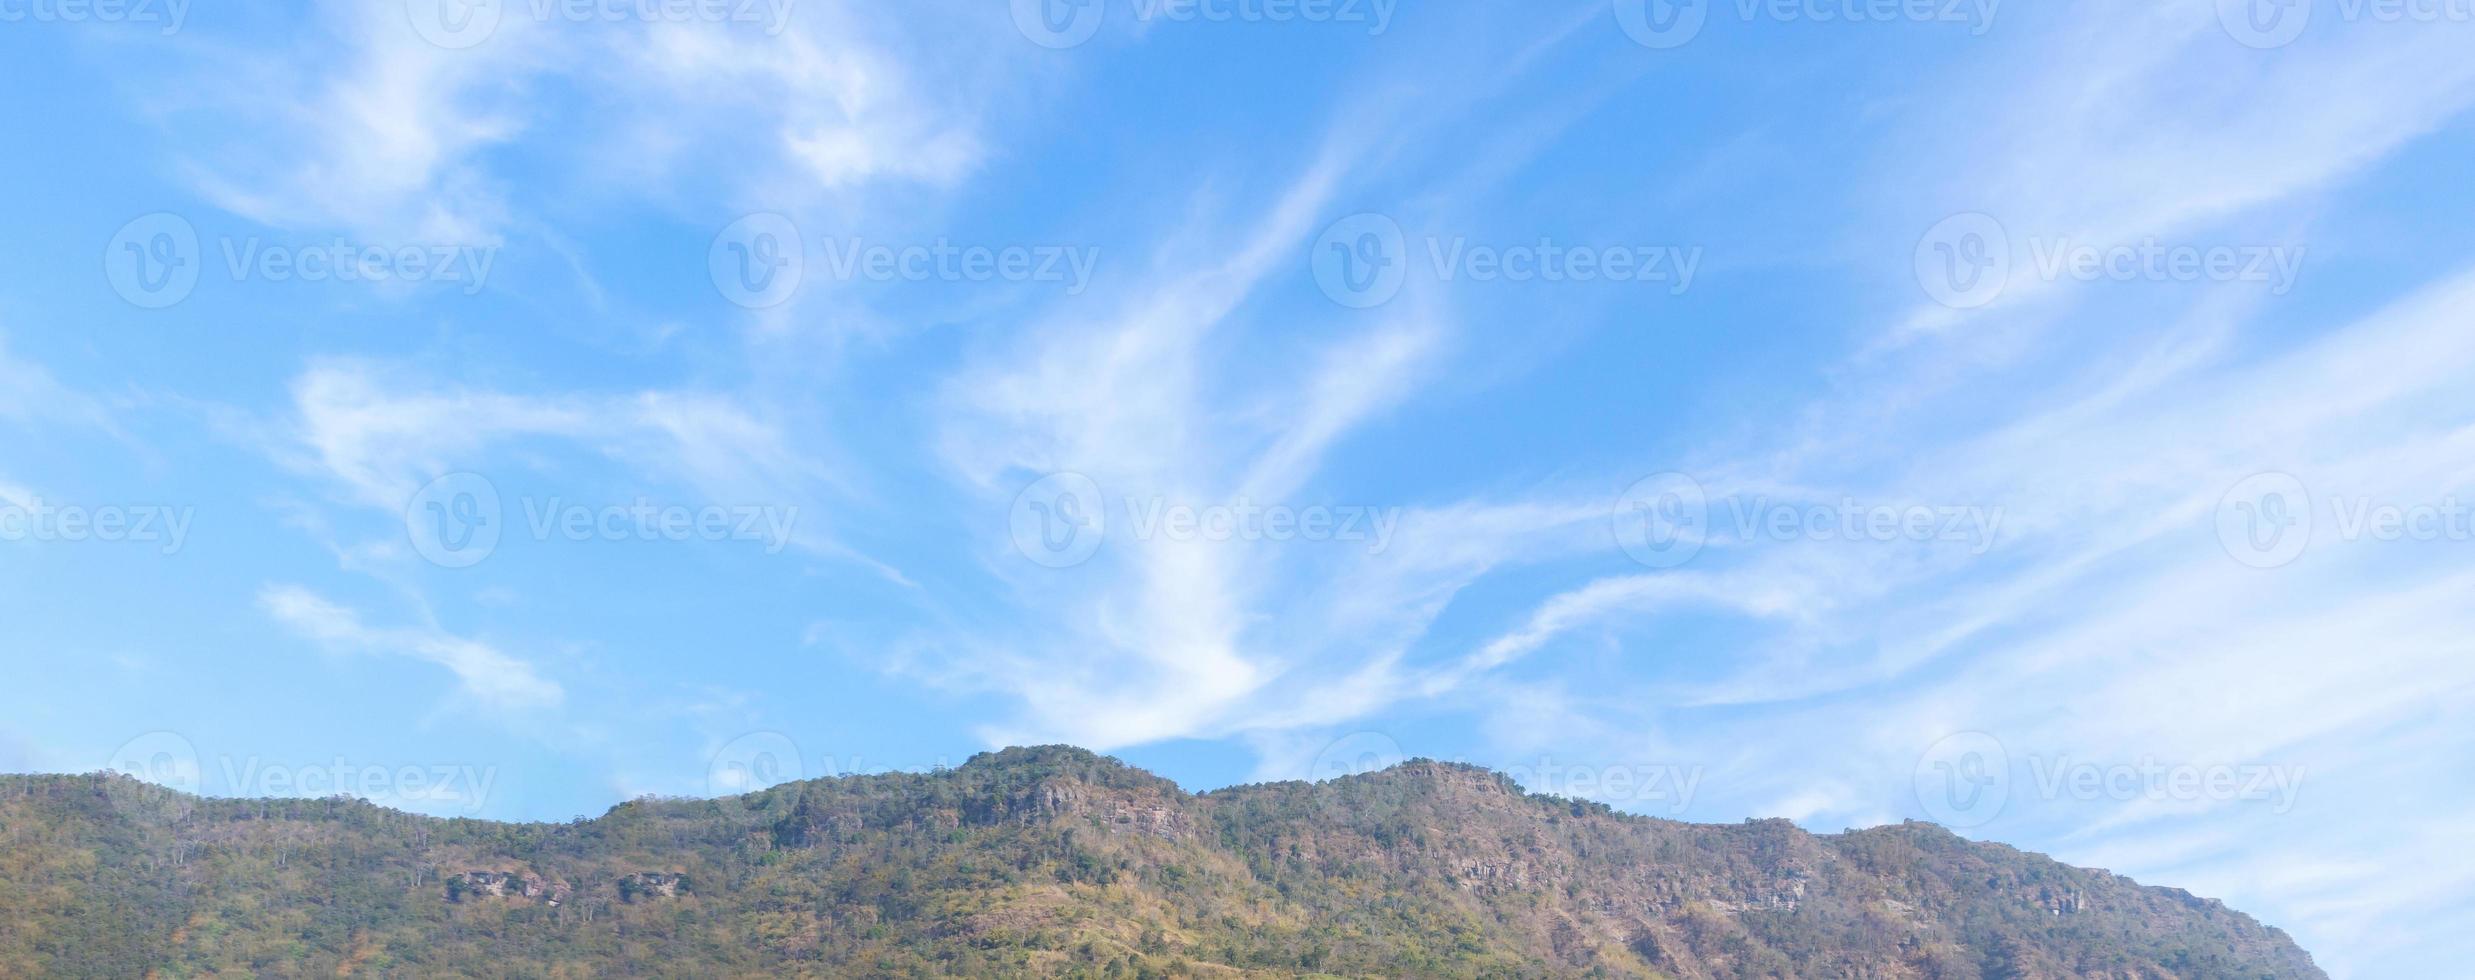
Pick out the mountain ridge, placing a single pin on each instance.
(1053, 860)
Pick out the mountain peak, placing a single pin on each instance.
(1052, 860)
(1017, 756)
(1443, 776)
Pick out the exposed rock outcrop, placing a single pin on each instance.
(650, 885)
(506, 884)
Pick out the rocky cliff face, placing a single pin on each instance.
(1763, 898)
(506, 884)
(1056, 862)
(645, 886)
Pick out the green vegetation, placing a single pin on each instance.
(1056, 862)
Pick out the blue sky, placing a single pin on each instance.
(2047, 420)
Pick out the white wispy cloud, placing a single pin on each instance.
(384, 442)
(2105, 623)
(381, 433)
(16, 496)
(2110, 624)
(1163, 637)
(2148, 119)
(492, 678)
(30, 393)
(384, 134)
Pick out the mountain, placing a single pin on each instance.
(1056, 862)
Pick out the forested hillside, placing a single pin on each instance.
(1056, 862)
